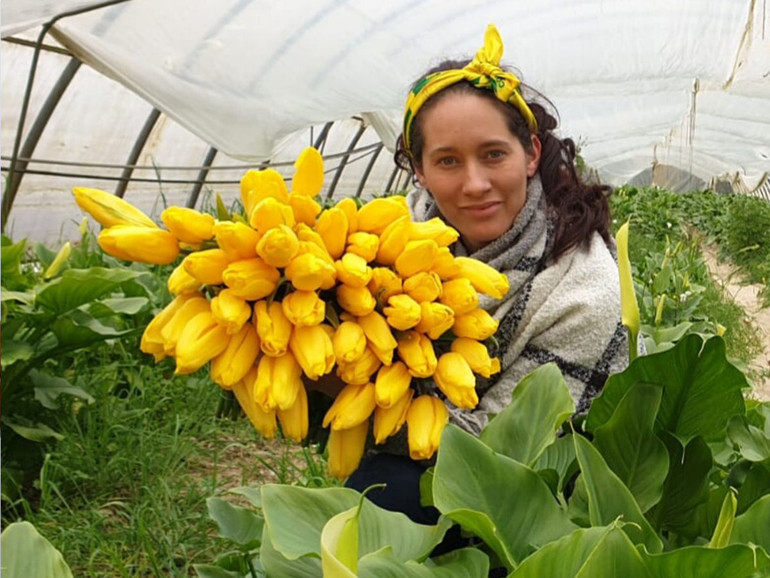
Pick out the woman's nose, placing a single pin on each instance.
(476, 180)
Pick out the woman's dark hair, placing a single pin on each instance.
(577, 208)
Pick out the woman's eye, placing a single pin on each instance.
(495, 154)
(446, 161)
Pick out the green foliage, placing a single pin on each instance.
(26, 554)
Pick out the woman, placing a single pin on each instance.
(488, 163)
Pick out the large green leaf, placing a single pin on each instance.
(10, 260)
(76, 287)
(13, 351)
(119, 305)
(463, 563)
(630, 447)
(48, 388)
(276, 564)
(701, 389)
(37, 432)
(78, 329)
(235, 523)
(700, 562)
(755, 485)
(499, 499)
(539, 405)
(753, 526)
(609, 499)
(753, 443)
(558, 457)
(26, 554)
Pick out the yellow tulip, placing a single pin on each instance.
(305, 209)
(444, 264)
(172, 329)
(346, 448)
(352, 270)
(402, 312)
(258, 185)
(425, 421)
(476, 324)
(355, 300)
(391, 384)
(188, 225)
(251, 279)
(286, 382)
(460, 295)
(236, 239)
(348, 341)
(180, 281)
(306, 235)
(231, 366)
(377, 214)
(309, 272)
(110, 210)
(424, 286)
(629, 308)
(308, 173)
(278, 246)
(435, 319)
(484, 278)
(416, 350)
(332, 225)
(263, 421)
(230, 311)
(352, 406)
(207, 266)
(269, 213)
(417, 256)
(312, 347)
(262, 385)
(350, 208)
(294, 420)
(364, 245)
(359, 370)
(477, 356)
(380, 336)
(201, 339)
(273, 327)
(388, 420)
(304, 308)
(455, 378)
(140, 244)
(393, 240)
(435, 229)
(152, 338)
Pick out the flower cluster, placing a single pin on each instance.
(287, 295)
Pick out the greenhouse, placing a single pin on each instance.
(235, 275)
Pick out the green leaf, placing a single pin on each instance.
(25, 297)
(609, 499)
(334, 551)
(631, 448)
(48, 388)
(276, 564)
(725, 523)
(539, 405)
(251, 493)
(77, 287)
(79, 329)
(471, 484)
(753, 526)
(26, 554)
(209, 571)
(560, 458)
(119, 305)
(701, 389)
(235, 523)
(13, 351)
(463, 563)
(752, 442)
(10, 259)
(36, 432)
(755, 485)
(700, 562)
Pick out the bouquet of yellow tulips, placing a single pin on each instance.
(288, 292)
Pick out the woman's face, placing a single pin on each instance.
(474, 167)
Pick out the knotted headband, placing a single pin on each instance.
(483, 72)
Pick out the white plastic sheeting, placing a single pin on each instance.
(638, 84)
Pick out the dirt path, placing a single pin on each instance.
(747, 296)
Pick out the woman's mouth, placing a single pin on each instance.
(482, 210)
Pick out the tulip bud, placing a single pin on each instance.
(238, 240)
(201, 339)
(263, 421)
(350, 208)
(231, 366)
(455, 378)
(460, 295)
(188, 225)
(361, 369)
(435, 319)
(485, 279)
(308, 173)
(309, 272)
(444, 264)
(424, 286)
(629, 306)
(332, 225)
(380, 337)
(230, 311)
(391, 384)
(417, 256)
(349, 342)
(364, 245)
(393, 240)
(346, 448)
(180, 281)
(278, 246)
(251, 279)
(435, 229)
(307, 235)
(286, 382)
(416, 350)
(140, 244)
(305, 209)
(110, 210)
(269, 213)
(355, 300)
(312, 347)
(352, 270)
(476, 324)
(152, 338)
(257, 186)
(388, 421)
(352, 406)
(304, 308)
(273, 327)
(294, 420)
(378, 213)
(58, 262)
(402, 312)
(263, 384)
(172, 329)
(207, 266)
(477, 356)
(425, 420)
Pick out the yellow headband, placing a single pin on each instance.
(483, 72)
